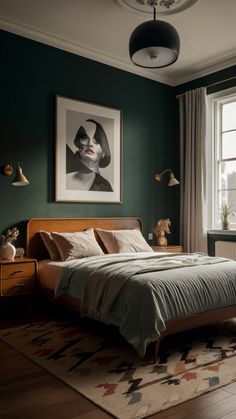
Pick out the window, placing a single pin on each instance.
(221, 166)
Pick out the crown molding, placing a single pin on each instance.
(173, 79)
(78, 49)
(205, 69)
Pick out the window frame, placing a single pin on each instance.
(214, 152)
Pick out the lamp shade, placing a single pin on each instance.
(154, 44)
(20, 179)
(173, 181)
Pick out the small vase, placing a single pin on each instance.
(7, 251)
(225, 225)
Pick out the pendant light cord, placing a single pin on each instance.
(154, 13)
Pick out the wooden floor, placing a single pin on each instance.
(29, 392)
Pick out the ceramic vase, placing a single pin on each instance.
(7, 251)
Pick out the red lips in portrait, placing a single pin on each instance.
(89, 151)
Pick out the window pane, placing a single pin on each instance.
(227, 176)
(229, 145)
(229, 116)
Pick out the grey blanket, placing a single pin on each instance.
(146, 300)
(105, 275)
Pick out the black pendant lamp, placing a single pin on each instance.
(154, 44)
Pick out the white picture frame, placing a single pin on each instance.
(75, 181)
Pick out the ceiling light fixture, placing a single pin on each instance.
(154, 44)
(163, 7)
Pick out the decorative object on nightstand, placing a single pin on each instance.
(168, 249)
(20, 252)
(7, 250)
(162, 227)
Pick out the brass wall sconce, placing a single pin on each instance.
(172, 182)
(19, 179)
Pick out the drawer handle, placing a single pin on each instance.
(18, 285)
(18, 272)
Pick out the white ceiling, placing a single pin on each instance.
(100, 30)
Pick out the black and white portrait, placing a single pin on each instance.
(88, 152)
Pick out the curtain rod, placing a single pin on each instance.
(212, 84)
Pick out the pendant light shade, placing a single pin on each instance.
(154, 44)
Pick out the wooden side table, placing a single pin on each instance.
(17, 278)
(168, 249)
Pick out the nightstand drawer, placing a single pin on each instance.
(17, 286)
(18, 270)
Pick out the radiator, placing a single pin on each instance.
(225, 249)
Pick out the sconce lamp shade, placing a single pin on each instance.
(154, 44)
(20, 179)
(172, 182)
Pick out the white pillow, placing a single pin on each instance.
(77, 245)
(50, 245)
(122, 241)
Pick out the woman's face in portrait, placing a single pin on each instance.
(89, 147)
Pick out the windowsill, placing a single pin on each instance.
(223, 232)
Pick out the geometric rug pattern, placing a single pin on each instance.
(109, 372)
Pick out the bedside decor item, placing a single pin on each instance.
(20, 252)
(7, 250)
(19, 179)
(161, 228)
(172, 182)
(225, 212)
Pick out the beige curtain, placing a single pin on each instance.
(193, 213)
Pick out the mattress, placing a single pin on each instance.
(49, 273)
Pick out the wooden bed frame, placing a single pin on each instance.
(36, 249)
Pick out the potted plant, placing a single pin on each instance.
(225, 212)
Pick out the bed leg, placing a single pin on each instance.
(156, 349)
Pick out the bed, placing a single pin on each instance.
(51, 272)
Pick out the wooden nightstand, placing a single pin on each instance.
(168, 249)
(17, 278)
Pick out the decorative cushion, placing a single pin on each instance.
(122, 241)
(77, 245)
(50, 245)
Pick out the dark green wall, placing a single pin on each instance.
(32, 74)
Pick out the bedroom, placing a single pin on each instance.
(34, 73)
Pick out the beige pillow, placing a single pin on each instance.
(77, 245)
(50, 245)
(121, 241)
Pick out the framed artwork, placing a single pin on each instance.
(88, 152)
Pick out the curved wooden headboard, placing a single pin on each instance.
(34, 244)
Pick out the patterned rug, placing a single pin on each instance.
(108, 372)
